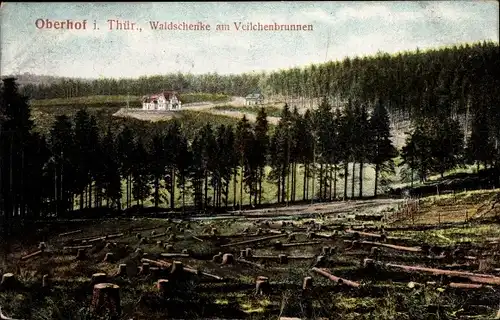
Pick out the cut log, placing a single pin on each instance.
(8, 282)
(114, 236)
(78, 247)
(97, 239)
(99, 277)
(69, 233)
(4, 317)
(161, 264)
(385, 245)
(175, 255)
(472, 286)
(250, 263)
(106, 299)
(338, 280)
(307, 283)
(298, 244)
(253, 240)
(262, 285)
(474, 277)
(159, 235)
(31, 255)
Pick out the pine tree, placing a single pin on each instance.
(381, 147)
(261, 148)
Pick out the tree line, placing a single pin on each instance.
(465, 72)
(78, 165)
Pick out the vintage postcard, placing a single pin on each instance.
(263, 160)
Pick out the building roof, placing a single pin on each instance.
(165, 94)
(254, 96)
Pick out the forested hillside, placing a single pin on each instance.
(82, 163)
(410, 83)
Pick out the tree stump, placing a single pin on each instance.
(42, 246)
(45, 281)
(159, 243)
(246, 230)
(139, 251)
(109, 257)
(181, 230)
(368, 263)
(375, 252)
(106, 299)
(243, 253)
(80, 255)
(307, 284)
(248, 252)
(154, 272)
(333, 250)
(325, 251)
(278, 245)
(177, 268)
(291, 237)
(138, 236)
(98, 278)
(227, 258)
(262, 285)
(143, 241)
(320, 261)
(311, 235)
(163, 286)
(168, 247)
(185, 251)
(169, 229)
(153, 233)
(122, 269)
(172, 237)
(283, 258)
(258, 232)
(217, 258)
(8, 281)
(145, 268)
(108, 245)
(214, 231)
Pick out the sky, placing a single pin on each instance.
(340, 29)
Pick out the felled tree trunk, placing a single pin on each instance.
(106, 299)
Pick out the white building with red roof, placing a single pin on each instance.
(166, 100)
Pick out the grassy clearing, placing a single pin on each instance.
(270, 189)
(383, 295)
(270, 110)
